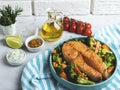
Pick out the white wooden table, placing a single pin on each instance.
(10, 76)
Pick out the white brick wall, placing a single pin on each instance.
(66, 6)
(106, 7)
(69, 7)
(25, 4)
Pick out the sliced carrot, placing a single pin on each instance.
(54, 51)
(63, 65)
(63, 75)
(54, 64)
(105, 47)
(111, 69)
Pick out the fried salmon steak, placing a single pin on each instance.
(87, 60)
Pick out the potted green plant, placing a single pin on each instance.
(8, 18)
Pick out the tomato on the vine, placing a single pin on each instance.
(66, 25)
(73, 27)
(73, 21)
(88, 26)
(66, 19)
(80, 27)
(87, 32)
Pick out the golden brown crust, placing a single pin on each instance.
(84, 67)
(73, 50)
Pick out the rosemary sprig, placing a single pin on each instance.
(8, 15)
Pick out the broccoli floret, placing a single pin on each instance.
(74, 77)
(104, 51)
(57, 58)
(107, 56)
(58, 48)
(70, 66)
(108, 64)
(84, 81)
(100, 54)
(70, 72)
(109, 59)
(59, 69)
(90, 41)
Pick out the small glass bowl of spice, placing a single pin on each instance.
(34, 43)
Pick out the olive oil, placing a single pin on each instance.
(52, 29)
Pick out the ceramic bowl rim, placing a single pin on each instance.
(97, 84)
(32, 37)
(19, 62)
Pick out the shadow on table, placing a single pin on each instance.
(2, 42)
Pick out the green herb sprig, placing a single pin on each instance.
(8, 15)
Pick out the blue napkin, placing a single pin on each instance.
(111, 35)
(36, 74)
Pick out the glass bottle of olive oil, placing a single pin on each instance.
(52, 29)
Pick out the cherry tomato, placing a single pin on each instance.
(80, 27)
(66, 26)
(66, 19)
(88, 25)
(73, 21)
(87, 32)
(73, 27)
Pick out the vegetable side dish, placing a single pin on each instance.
(83, 60)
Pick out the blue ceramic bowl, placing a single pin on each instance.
(74, 86)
